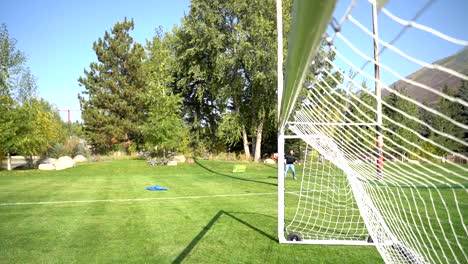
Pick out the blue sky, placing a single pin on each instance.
(57, 36)
(446, 16)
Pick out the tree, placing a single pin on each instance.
(7, 127)
(11, 60)
(11, 63)
(229, 65)
(401, 147)
(455, 111)
(229, 129)
(113, 103)
(28, 125)
(197, 46)
(38, 126)
(164, 127)
(25, 87)
(253, 37)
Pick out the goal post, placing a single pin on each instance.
(308, 22)
(414, 209)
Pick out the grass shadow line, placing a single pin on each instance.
(270, 166)
(230, 176)
(207, 228)
(197, 239)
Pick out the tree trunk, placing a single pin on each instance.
(8, 161)
(29, 162)
(254, 141)
(258, 141)
(245, 141)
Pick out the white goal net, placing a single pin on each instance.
(381, 105)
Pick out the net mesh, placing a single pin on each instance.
(408, 194)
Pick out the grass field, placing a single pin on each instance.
(427, 213)
(102, 213)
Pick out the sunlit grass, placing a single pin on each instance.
(218, 229)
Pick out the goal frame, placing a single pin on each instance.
(319, 13)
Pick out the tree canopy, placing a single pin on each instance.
(113, 103)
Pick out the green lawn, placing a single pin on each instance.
(162, 227)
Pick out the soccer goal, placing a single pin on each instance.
(384, 119)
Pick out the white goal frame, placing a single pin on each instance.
(347, 144)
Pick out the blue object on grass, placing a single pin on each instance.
(156, 188)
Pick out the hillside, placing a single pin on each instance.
(434, 78)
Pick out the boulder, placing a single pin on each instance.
(46, 166)
(80, 158)
(172, 163)
(190, 160)
(64, 163)
(269, 161)
(180, 158)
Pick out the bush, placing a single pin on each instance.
(72, 147)
(225, 156)
(57, 150)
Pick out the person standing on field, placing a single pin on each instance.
(290, 159)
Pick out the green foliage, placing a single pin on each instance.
(229, 128)
(71, 147)
(226, 63)
(28, 126)
(455, 111)
(38, 126)
(113, 103)
(25, 88)
(7, 124)
(196, 46)
(401, 147)
(164, 127)
(73, 129)
(11, 60)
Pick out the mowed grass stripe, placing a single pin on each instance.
(237, 229)
(139, 199)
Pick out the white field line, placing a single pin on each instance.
(138, 199)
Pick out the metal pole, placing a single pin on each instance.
(378, 92)
(279, 30)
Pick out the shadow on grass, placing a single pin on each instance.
(230, 176)
(269, 165)
(207, 228)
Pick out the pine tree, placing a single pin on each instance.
(401, 148)
(113, 103)
(455, 111)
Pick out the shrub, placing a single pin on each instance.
(72, 147)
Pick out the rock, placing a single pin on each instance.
(46, 166)
(64, 163)
(190, 160)
(172, 163)
(180, 158)
(269, 161)
(46, 161)
(80, 158)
